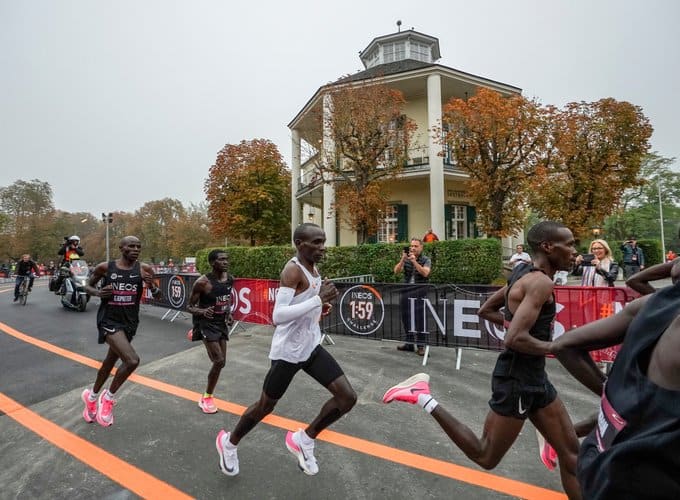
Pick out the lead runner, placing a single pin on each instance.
(302, 297)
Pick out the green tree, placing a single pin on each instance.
(156, 220)
(248, 194)
(27, 207)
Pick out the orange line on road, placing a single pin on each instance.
(413, 460)
(125, 474)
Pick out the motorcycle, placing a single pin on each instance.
(72, 290)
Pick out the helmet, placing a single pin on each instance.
(74, 238)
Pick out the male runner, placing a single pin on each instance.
(633, 450)
(520, 385)
(117, 321)
(209, 304)
(296, 346)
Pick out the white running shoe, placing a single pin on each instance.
(304, 454)
(228, 456)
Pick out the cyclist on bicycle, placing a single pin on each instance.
(24, 268)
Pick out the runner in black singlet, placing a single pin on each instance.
(521, 388)
(117, 321)
(633, 451)
(209, 304)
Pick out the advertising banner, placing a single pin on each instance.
(439, 315)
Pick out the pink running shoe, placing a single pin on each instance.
(228, 456)
(90, 411)
(207, 405)
(105, 410)
(304, 454)
(546, 452)
(409, 390)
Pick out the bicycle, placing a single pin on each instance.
(23, 290)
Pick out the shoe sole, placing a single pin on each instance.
(418, 377)
(293, 448)
(222, 465)
(86, 414)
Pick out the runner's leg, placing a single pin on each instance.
(119, 343)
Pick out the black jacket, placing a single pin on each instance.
(610, 276)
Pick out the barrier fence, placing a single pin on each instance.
(443, 315)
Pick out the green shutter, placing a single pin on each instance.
(402, 223)
(472, 222)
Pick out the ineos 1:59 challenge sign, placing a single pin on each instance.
(362, 310)
(176, 292)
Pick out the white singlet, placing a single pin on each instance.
(294, 341)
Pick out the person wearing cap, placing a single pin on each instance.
(633, 257)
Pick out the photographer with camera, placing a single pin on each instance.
(633, 257)
(416, 268)
(597, 268)
(69, 250)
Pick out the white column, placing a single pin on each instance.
(328, 153)
(434, 119)
(294, 182)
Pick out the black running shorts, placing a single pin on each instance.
(511, 398)
(213, 332)
(321, 366)
(105, 329)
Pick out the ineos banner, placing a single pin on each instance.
(442, 315)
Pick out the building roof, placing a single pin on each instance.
(391, 68)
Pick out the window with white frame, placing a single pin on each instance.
(420, 51)
(388, 225)
(456, 223)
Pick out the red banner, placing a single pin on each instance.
(252, 300)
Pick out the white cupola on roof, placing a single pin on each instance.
(401, 46)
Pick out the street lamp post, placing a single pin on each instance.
(107, 219)
(663, 239)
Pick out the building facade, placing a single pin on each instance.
(431, 192)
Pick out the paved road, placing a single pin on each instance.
(162, 442)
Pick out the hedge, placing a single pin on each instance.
(470, 261)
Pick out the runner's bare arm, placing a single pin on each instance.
(490, 309)
(148, 275)
(196, 291)
(98, 273)
(640, 281)
(604, 332)
(535, 290)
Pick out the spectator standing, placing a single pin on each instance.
(519, 257)
(633, 257)
(416, 268)
(430, 236)
(597, 268)
(670, 256)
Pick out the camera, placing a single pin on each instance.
(588, 259)
(407, 249)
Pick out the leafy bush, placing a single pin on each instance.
(472, 261)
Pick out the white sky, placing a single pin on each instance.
(137, 97)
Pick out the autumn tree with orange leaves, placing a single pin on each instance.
(597, 152)
(499, 142)
(248, 194)
(370, 139)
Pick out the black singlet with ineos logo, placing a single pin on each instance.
(121, 310)
(526, 367)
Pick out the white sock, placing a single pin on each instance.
(427, 402)
(93, 396)
(229, 445)
(108, 395)
(305, 439)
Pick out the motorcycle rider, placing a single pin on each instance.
(70, 250)
(24, 268)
